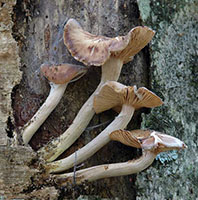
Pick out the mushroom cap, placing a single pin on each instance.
(129, 138)
(96, 50)
(62, 73)
(139, 37)
(114, 95)
(148, 140)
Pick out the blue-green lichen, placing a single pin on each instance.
(167, 156)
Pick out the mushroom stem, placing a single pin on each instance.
(55, 95)
(110, 71)
(120, 122)
(109, 170)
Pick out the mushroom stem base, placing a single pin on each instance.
(54, 97)
(108, 170)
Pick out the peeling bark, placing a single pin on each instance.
(9, 66)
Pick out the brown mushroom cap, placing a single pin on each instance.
(139, 37)
(62, 73)
(114, 95)
(147, 140)
(95, 50)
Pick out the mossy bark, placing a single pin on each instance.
(174, 76)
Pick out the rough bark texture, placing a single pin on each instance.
(38, 29)
(9, 66)
(174, 75)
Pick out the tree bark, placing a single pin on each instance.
(37, 26)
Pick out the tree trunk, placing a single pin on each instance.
(31, 34)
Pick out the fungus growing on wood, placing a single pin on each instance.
(90, 49)
(59, 77)
(151, 142)
(112, 94)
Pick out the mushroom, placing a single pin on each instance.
(111, 95)
(151, 142)
(90, 49)
(147, 140)
(59, 77)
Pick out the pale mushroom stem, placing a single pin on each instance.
(110, 72)
(109, 170)
(120, 122)
(54, 97)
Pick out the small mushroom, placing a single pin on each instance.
(147, 140)
(59, 77)
(112, 94)
(90, 49)
(151, 142)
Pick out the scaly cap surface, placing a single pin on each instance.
(96, 50)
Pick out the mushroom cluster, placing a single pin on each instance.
(92, 50)
(110, 54)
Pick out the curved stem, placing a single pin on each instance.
(108, 170)
(55, 95)
(120, 122)
(110, 71)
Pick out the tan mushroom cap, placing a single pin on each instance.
(62, 73)
(147, 140)
(95, 50)
(114, 95)
(129, 138)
